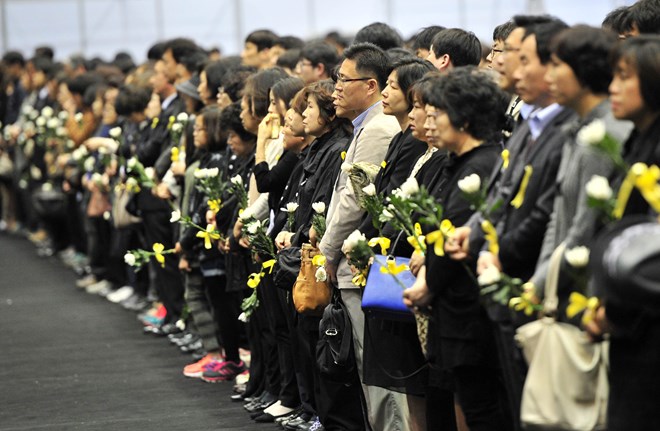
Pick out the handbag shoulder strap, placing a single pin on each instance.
(551, 301)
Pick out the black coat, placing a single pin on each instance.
(521, 230)
(459, 332)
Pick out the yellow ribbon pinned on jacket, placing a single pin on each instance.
(154, 123)
(318, 260)
(392, 268)
(417, 240)
(505, 159)
(158, 249)
(577, 302)
(214, 205)
(174, 157)
(383, 242)
(383, 164)
(360, 279)
(437, 237)
(490, 233)
(209, 234)
(646, 180)
(524, 303)
(268, 265)
(170, 122)
(520, 196)
(343, 155)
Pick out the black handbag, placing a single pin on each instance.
(334, 351)
(50, 201)
(287, 268)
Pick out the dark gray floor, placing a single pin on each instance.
(73, 361)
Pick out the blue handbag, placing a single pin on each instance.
(383, 295)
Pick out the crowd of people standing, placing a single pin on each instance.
(192, 190)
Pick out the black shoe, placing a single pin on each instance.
(186, 339)
(177, 336)
(301, 419)
(189, 348)
(169, 329)
(237, 397)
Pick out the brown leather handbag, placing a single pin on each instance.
(310, 297)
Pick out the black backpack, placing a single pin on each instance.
(334, 351)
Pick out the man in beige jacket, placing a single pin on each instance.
(360, 79)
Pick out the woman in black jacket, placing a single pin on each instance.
(464, 118)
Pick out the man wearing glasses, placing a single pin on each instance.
(361, 77)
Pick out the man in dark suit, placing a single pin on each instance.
(153, 151)
(526, 189)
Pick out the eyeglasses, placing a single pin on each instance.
(496, 51)
(510, 49)
(342, 80)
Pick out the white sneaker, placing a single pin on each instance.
(102, 288)
(120, 294)
(86, 281)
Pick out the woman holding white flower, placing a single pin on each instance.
(634, 327)
(465, 117)
(579, 74)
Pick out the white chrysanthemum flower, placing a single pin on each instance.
(387, 214)
(182, 117)
(47, 112)
(370, 190)
(490, 276)
(291, 207)
(97, 177)
(150, 172)
(577, 257)
(470, 184)
(175, 217)
(237, 180)
(200, 173)
(53, 123)
(599, 188)
(61, 131)
(253, 227)
(593, 133)
(410, 187)
(40, 122)
(89, 164)
(115, 132)
(177, 127)
(243, 317)
(132, 162)
(78, 117)
(63, 115)
(129, 259)
(106, 215)
(319, 207)
(35, 173)
(212, 172)
(321, 274)
(103, 150)
(353, 239)
(131, 183)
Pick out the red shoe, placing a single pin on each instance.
(217, 371)
(197, 369)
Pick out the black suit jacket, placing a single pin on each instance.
(521, 230)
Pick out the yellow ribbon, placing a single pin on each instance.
(392, 268)
(577, 302)
(171, 121)
(624, 194)
(154, 123)
(646, 180)
(268, 265)
(520, 197)
(360, 279)
(383, 242)
(318, 260)
(523, 303)
(343, 155)
(214, 205)
(175, 154)
(158, 250)
(383, 164)
(491, 236)
(208, 235)
(438, 237)
(417, 240)
(505, 159)
(254, 279)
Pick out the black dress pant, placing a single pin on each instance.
(276, 309)
(481, 394)
(168, 281)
